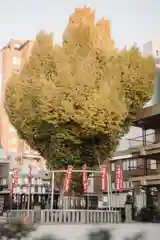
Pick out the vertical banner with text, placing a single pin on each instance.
(16, 176)
(85, 179)
(104, 178)
(119, 179)
(68, 179)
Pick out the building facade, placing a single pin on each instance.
(140, 161)
(4, 180)
(152, 48)
(12, 58)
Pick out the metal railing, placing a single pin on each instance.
(67, 216)
(138, 141)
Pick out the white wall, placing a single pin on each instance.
(147, 48)
(151, 47)
(155, 47)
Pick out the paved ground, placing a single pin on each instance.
(2, 219)
(79, 232)
(119, 231)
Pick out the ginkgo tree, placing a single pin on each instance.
(74, 101)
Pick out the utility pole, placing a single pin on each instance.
(29, 187)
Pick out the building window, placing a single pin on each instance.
(12, 150)
(16, 60)
(12, 140)
(133, 164)
(153, 164)
(129, 164)
(4, 181)
(112, 167)
(125, 165)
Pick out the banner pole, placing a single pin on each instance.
(52, 191)
(108, 186)
(11, 189)
(29, 189)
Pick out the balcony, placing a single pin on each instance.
(147, 146)
(140, 171)
(148, 117)
(141, 141)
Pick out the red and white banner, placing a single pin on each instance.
(16, 177)
(119, 179)
(85, 179)
(68, 179)
(104, 177)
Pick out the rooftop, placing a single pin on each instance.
(148, 117)
(18, 45)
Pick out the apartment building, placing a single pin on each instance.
(12, 58)
(152, 48)
(140, 161)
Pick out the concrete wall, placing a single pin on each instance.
(151, 48)
(118, 231)
(147, 48)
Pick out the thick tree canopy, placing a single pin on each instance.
(73, 102)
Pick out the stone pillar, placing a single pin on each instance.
(128, 213)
